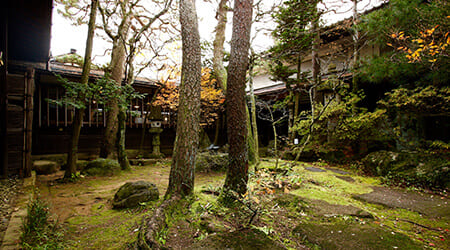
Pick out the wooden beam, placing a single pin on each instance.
(29, 81)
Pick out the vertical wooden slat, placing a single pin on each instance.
(40, 105)
(48, 108)
(142, 112)
(89, 111)
(131, 110)
(57, 108)
(65, 115)
(96, 114)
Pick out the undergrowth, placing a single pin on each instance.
(38, 230)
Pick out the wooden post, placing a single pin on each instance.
(4, 95)
(29, 92)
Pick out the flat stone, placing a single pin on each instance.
(313, 169)
(338, 171)
(345, 178)
(428, 204)
(323, 208)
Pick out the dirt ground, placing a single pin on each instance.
(295, 209)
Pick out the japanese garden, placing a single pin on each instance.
(225, 124)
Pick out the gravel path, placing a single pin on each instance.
(9, 189)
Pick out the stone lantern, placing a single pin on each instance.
(155, 130)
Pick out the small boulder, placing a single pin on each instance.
(46, 167)
(207, 161)
(132, 193)
(101, 167)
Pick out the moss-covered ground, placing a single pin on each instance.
(292, 207)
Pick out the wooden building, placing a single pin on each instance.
(25, 36)
(29, 123)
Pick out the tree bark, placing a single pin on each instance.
(254, 127)
(355, 47)
(116, 71)
(121, 153)
(237, 174)
(181, 180)
(79, 113)
(219, 69)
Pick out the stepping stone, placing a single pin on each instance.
(313, 169)
(338, 171)
(432, 205)
(346, 178)
(323, 208)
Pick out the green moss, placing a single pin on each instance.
(325, 186)
(207, 161)
(101, 167)
(240, 239)
(341, 234)
(106, 228)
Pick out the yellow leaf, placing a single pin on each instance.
(286, 190)
(389, 44)
(255, 199)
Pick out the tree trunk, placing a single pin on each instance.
(237, 174)
(121, 153)
(181, 180)
(254, 127)
(250, 140)
(116, 71)
(219, 69)
(297, 95)
(355, 46)
(79, 114)
(315, 56)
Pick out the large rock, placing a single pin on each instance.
(101, 167)
(208, 161)
(46, 167)
(132, 193)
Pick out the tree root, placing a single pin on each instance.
(423, 226)
(151, 227)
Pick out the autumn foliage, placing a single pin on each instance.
(430, 45)
(212, 97)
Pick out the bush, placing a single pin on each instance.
(421, 169)
(342, 130)
(101, 167)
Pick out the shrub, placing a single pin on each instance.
(342, 130)
(421, 169)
